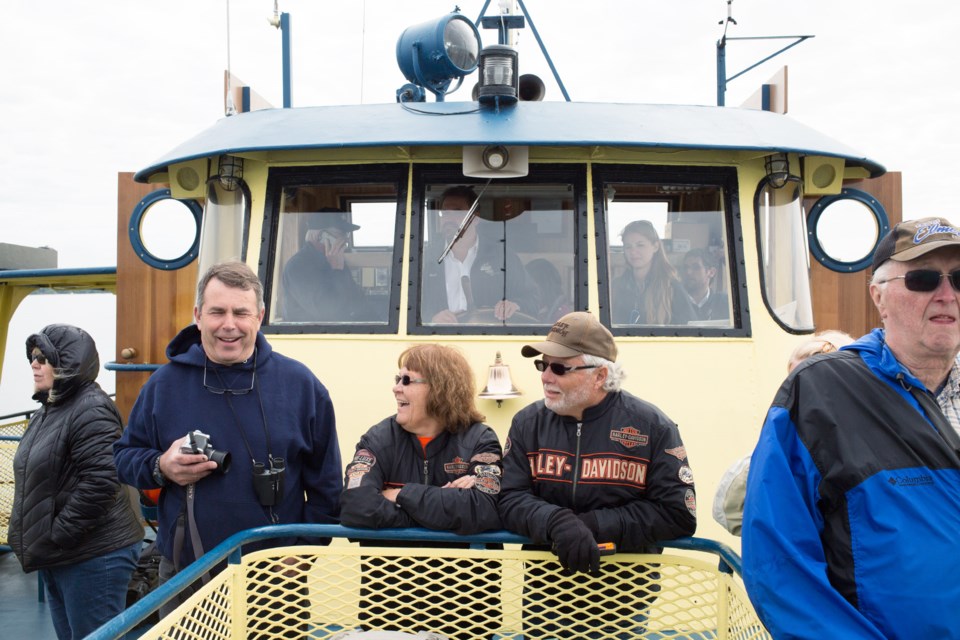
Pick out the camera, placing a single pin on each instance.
(268, 483)
(199, 442)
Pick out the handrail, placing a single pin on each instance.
(29, 412)
(121, 366)
(26, 414)
(230, 550)
(45, 273)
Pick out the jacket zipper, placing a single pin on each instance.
(576, 469)
(426, 469)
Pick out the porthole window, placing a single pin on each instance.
(165, 232)
(844, 230)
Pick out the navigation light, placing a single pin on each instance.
(499, 80)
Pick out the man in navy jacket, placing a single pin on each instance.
(255, 404)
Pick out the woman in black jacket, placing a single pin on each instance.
(435, 465)
(71, 520)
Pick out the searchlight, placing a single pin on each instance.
(433, 54)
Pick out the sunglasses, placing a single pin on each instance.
(406, 380)
(222, 389)
(927, 280)
(39, 358)
(558, 369)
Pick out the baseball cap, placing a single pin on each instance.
(575, 334)
(913, 238)
(328, 218)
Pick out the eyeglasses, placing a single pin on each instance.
(406, 380)
(927, 280)
(558, 369)
(39, 358)
(222, 389)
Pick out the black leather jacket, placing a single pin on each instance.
(387, 456)
(68, 504)
(624, 462)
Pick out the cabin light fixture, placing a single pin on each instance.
(777, 166)
(230, 172)
(499, 83)
(435, 53)
(499, 385)
(496, 161)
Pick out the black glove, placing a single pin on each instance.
(589, 518)
(573, 543)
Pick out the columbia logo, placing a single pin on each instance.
(910, 481)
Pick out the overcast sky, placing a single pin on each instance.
(90, 89)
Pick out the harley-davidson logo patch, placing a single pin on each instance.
(629, 437)
(458, 466)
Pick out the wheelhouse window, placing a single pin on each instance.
(784, 255)
(332, 255)
(226, 224)
(497, 255)
(668, 253)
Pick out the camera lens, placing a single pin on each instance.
(222, 458)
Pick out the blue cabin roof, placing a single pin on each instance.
(526, 123)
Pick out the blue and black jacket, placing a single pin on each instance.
(852, 519)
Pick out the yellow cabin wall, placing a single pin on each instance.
(716, 389)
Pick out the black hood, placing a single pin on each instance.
(73, 354)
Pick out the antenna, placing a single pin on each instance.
(230, 108)
(722, 79)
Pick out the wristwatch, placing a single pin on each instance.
(157, 474)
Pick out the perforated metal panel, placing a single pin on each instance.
(318, 592)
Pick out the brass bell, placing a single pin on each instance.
(499, 385)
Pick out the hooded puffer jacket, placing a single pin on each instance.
(68, 504)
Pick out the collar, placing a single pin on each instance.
(596, 411)
(702, 302)
(951, 388)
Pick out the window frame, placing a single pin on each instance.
(724, 178)
(279, 178)
(761, 266)
(572, 174)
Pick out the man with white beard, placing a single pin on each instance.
(591, 463)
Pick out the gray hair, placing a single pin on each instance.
(882, 273)
(234, 274)
(313, 235)
(615, 372)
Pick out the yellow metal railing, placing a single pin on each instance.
(461, 594)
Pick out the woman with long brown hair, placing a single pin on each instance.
(648, 292)
(433, 464)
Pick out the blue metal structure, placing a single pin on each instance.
(546, 124)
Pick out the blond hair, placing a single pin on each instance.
(822, 342)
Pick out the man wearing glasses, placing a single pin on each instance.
(593, 464)
(852, 512)
(479, 280)
(267, 411)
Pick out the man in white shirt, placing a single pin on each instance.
(474, 272)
